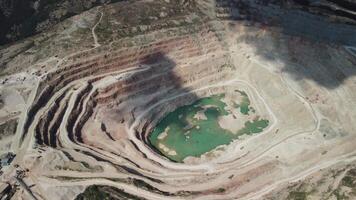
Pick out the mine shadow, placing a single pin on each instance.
(299, 41)
(160, 63)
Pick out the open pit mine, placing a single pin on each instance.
(178, 99)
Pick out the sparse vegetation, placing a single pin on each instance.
(8, 128)
(339, 195)
(349, 181)
(221, 190)
(297, 195)
(97, 192)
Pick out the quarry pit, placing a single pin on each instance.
(191, 102)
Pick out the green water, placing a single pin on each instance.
(188, 136)
(245, 103)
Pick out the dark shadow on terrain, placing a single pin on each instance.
(305, 59)
(100, 192)
(309, 44)
(23, 18)
(160, 76)
(161, 64)
(296, 17)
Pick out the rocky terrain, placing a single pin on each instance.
(20, 19)
(80, 98)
